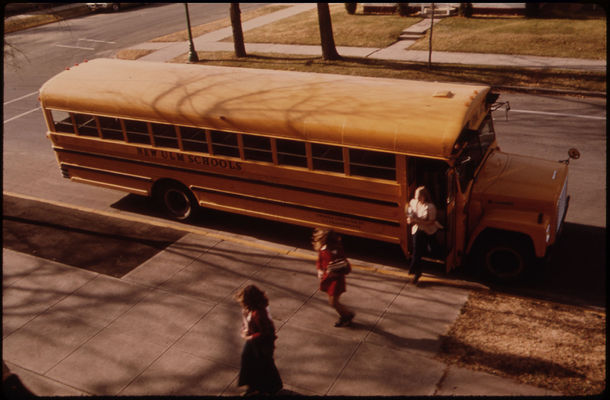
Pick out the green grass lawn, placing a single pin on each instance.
(577, 38)
(349, 30)
(554, 37)
(495, 76)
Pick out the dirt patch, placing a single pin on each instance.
(550, 345)
(97, 243)
(132, 54)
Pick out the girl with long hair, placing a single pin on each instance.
(258, 370)
(328, 245)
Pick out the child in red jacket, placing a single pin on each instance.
(328, 245)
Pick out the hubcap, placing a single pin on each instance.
(504, 262)
(177, 203)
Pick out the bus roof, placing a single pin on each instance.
(402, 116)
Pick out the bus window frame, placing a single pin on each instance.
(308, 157)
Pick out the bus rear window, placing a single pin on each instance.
(62, 121)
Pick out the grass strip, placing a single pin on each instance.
(555, 346)
(494, 76)
(575, 38)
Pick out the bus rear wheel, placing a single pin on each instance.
(176, 201)
(504, 259)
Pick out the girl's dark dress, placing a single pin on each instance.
(258, 369)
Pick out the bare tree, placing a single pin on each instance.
(238, 34)
(329, 50)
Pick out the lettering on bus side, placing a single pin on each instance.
(338, 220)
(188, 158)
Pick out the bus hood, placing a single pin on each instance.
(511, 180)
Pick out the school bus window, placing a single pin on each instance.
(225, 144)
(372, 164)
(111, 128)
(291, 152)
(465, 168)
(193, 139)
(137, 131)
(450, 186)
(86, 125)
(62, 121)
(486, 133)
(257, 148)
(474, 149)
(327, 158)
(165, 135)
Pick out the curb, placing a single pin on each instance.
(377, 269)
(528, 89)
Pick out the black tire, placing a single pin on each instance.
(176, 201)
(116, 7)
(504, 259)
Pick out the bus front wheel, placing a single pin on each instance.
(176, 201)
(504, 258)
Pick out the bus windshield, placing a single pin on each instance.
(475, 145)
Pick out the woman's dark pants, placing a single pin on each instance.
(420, 245)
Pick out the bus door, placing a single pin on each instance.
(456, 221)
(433, 175)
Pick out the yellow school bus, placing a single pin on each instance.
(318, 150)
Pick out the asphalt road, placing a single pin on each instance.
(538, 125)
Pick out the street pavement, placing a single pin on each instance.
(171, 326)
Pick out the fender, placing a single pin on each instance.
(525, 222)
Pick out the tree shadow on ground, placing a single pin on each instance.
(503, 364)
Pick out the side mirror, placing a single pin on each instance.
(573, 154)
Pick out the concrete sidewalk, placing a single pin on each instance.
(171, 327)
(398, 51)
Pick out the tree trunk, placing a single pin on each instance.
(238, 34)
(329, 50)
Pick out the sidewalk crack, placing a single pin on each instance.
(440, 382)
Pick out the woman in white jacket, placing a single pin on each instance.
(421, 215)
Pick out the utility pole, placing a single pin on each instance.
(430, 43)
(192, 53)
